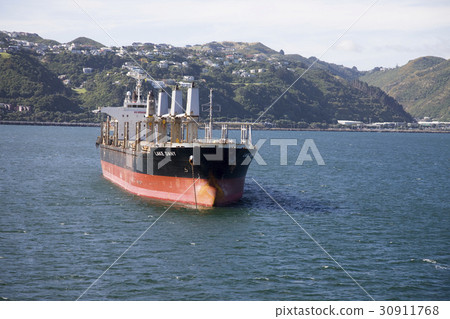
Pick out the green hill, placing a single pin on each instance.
(326, 93)
(24, 80)
(339, 70)
(250, 48)
(31, 37)
(422, 86)
(239, 47)
(83, 41)
(319, 97)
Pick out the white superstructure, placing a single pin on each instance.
(154, 116)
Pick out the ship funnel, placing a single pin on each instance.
(177, 100)
(150, 104)
(163, 104)
(193, 104)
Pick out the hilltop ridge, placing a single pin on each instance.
(239, 47)
(83, 41)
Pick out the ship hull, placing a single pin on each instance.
(215, 178)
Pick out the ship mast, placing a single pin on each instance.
(139, 77)
(210, 114)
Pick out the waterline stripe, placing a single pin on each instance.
(126, 51)
(129, 247)
(315, 61)
(312, 238)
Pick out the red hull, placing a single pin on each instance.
(211, 192)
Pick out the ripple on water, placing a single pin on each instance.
(371, 207)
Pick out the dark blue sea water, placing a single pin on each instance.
(379, 206)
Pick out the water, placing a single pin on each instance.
(380, 207)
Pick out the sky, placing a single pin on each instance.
(361, 33)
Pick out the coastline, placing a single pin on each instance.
(49, 123)
(386, 130)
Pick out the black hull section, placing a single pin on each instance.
(218, 162)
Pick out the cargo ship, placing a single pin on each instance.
(153, 151)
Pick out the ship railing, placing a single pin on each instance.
(215, 141)
(147, 132)
(208, 134)
(246, 134)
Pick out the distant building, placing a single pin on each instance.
(18, 108)
(185, 84)
(87, 70)
(350, 123)
(170, 81)
(5, 106)
(427, 122)
(158, 84)
(22, 108)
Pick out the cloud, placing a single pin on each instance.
(348, 46)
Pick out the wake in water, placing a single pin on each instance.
(436, 264)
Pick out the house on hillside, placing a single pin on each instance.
(163, 64)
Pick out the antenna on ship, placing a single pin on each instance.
(209, 127)
(210, 113)
(139, 76)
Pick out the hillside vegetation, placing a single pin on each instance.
(25, 80)
(247, 79)
(83, 41)
(422, 86)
